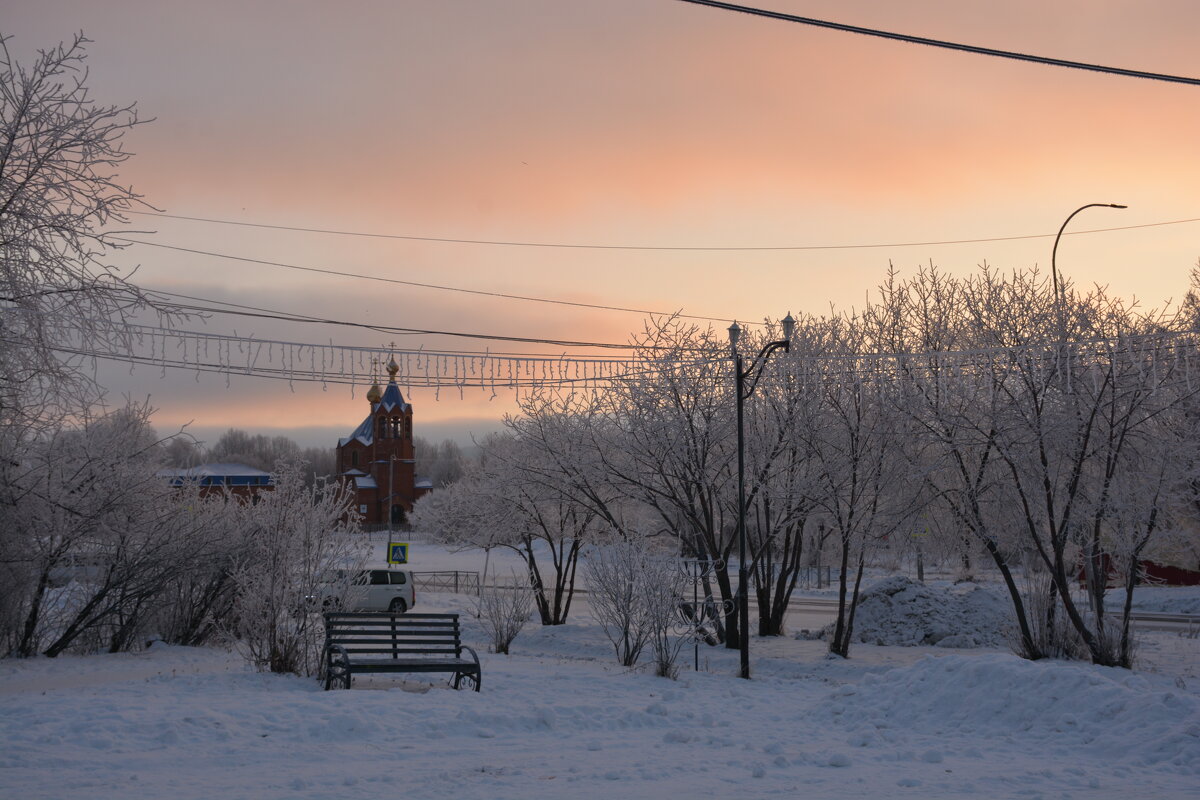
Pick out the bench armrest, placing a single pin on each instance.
(474, 655)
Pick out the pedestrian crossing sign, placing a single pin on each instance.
(397, 553)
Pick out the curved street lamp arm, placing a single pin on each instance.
(1054, 252)
(759, 365)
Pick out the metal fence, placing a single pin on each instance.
(448, 581)
(814, 577)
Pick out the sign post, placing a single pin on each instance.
(397, 552)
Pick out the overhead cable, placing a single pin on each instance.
(236, 309)
(966, 48)
(679, 248)
(418, 284)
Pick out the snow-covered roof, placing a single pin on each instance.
(218, 473)
(423, 483)
(364, 433)
(391, 400)
(365, 482)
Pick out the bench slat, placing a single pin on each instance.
(369, 618)
(441, 644)
(385, 624)
(449, 651)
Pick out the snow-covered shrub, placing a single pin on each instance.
(198, 605)
(1052, 634)
(296, 539)
(614, 590)
(503, 612)
(635, 596)
(661, 590)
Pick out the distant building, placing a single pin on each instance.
(378, 460)
(236, 479)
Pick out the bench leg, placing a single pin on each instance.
(466, 680)
(337, 670)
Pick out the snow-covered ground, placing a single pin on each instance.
(560, 719)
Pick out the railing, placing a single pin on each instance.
(814, 577)
(464, 582)
(811, 577)
(447, 581)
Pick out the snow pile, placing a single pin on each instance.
(898, 611)
(1112, 714)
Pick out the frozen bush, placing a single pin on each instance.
(504, 611)
(635, 596)
(297, 538)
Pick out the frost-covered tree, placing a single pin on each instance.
(92, 536)
(859, 474)
(253, 450)
(59, 198)
(1052, 407)
(441, 462)
(504, 502)
(666, 440)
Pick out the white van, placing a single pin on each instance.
(376, 590)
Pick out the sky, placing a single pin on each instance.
(627, 122)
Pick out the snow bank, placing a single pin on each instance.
(899, 611)
(1058, 708)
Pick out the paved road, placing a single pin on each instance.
(821, 610)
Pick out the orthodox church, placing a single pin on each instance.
(378, 457)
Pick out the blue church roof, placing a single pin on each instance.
(391, 400)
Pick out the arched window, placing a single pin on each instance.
(383, 427)
(354, 458)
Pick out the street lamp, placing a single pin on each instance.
(753, 373)
(1054, 254)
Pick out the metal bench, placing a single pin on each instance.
(380, 641)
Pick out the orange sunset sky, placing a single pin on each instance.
(621, 122)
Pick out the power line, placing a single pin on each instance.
(236, 309)
(360, 276)
(679, 248)
(966, 48)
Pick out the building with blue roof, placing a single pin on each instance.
(236, 479)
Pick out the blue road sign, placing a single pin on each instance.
(397, 553)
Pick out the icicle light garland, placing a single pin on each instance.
(1153, 360)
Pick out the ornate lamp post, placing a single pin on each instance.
(747, 380)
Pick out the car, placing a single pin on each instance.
(371, 590)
